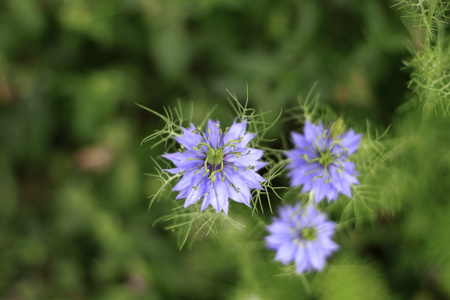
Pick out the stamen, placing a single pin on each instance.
(216, 171)
(323, 175)
(229, 145)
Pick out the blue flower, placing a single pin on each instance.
(216, 165)
(320, 163)
(302, 236)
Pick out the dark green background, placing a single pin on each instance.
(73, 195)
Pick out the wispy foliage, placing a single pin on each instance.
(191, 222)
(426, 15)
(311, 109)
(430, 78)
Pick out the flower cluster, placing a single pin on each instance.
(303, 236)
(216, 165)
(219, 165)
(320, 163)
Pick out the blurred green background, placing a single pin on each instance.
(73, 195)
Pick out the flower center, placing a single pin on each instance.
(214, 156)
(326, 158)
(309, 233)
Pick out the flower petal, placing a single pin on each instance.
(242, 146)
(235, 132)
(185, 160)
(239, 185)
(315, 256)
(188, 180)
(313, 132)
(299, 140)
(286, 252)
(213, 133)
(351, 140)
(196, 194)
(248, 158)
(252, 178)
(189, 139)
(235, 195)
(301, 262)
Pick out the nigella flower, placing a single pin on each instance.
(302, 236)
(320, 163)
(216, 165)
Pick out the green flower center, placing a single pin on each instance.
(214, 156)
(326, 158)
(309, 233)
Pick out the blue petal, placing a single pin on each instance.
(301, 262)
(276, 240)
(296, 155)
(234, 195)
(235, 132)
(206, 199)
(241, 147)
(327, 243)
(299, 140)
(189, 139)
(312, 132)
(280, 227)
(309, 216)
(248, 158)
(304, 174)
(339, 182)
(185, 160)
(188, 181)
(252, 178)
(286, 252)
(332, 195)
(238, 183)
(315, 256)
(195, 194)
(351, 140)
(221, 194)
(289, 212)
(213, 133)
(182, 194)
(320, 189)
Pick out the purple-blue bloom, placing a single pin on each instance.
(216, 165)
(303, 236)
(320, 163)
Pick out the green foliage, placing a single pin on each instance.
(73, 194)
(348, 278)
(431, 52)
(427, 15)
